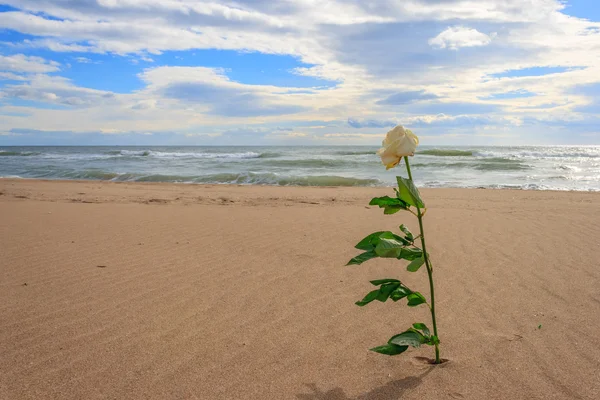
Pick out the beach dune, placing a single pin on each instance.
(166, 291)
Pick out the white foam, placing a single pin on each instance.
(244, 155)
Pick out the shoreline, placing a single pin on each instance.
(99, 192)
(267, 185)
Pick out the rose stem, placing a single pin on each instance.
(429, 269)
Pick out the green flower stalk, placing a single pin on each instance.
(429, 271)
(401, 143)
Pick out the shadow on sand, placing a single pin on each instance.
(390, 391)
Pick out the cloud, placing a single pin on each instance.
(371, 123)
(27, 64)
(226, 101)
(388, 59)
(450, 121)
(455, 37)
(57, 91)
(212, 89)
(11, 76)
(57, 45)
(83, 60)
(353, 135)
(91, 138)
(406, 97)
(591, 93)
(454, 108)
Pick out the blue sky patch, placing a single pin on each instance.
(516, 94)
(406, 97)
(588, 9)
(251, 68)
(370, 123)
(533, 71)
(7, 8)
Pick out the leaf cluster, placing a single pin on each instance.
(414, 337)
(392, 289)
(386, 244)
(407, 195)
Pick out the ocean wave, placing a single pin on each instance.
(501, 166)
(492, 164)
(572, 168)
(146, 154)
(546, 154)
(238, 156)
(499, 160)
(524, 186)
(75, 157)
(309, 163)
(251, 178)
(134, 153)
(269, 154)
(446, 153)
(356, 153)
(188, 154)
(93, 175)
(6, 153)
(245, 178)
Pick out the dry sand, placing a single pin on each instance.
(162, 291)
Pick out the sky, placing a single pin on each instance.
(299, 72)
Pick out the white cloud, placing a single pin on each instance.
(27, 64)
(85, 60)
(58, 91)
(11, 76)
(456, 37)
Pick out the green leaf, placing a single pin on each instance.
(415, 264)
(415, 299)
(410, 253)
(368, 298)
(400, 293)
(393, 246)
(390, 205)
(389, 248)
(408, 338)
(388, 289)
(382, 281)
(361, 258)
(408, 233)
(433, 340)
(392, 210)
(385, 290)
(408, 192)
(371, 241)
(391, 235)
(387, 201)
(389, 349)
(421, 326)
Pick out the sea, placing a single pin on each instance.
(527, 167)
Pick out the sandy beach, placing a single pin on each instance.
(166, 291)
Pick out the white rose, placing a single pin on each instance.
(398, 143)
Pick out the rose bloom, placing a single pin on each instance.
(398, 143)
